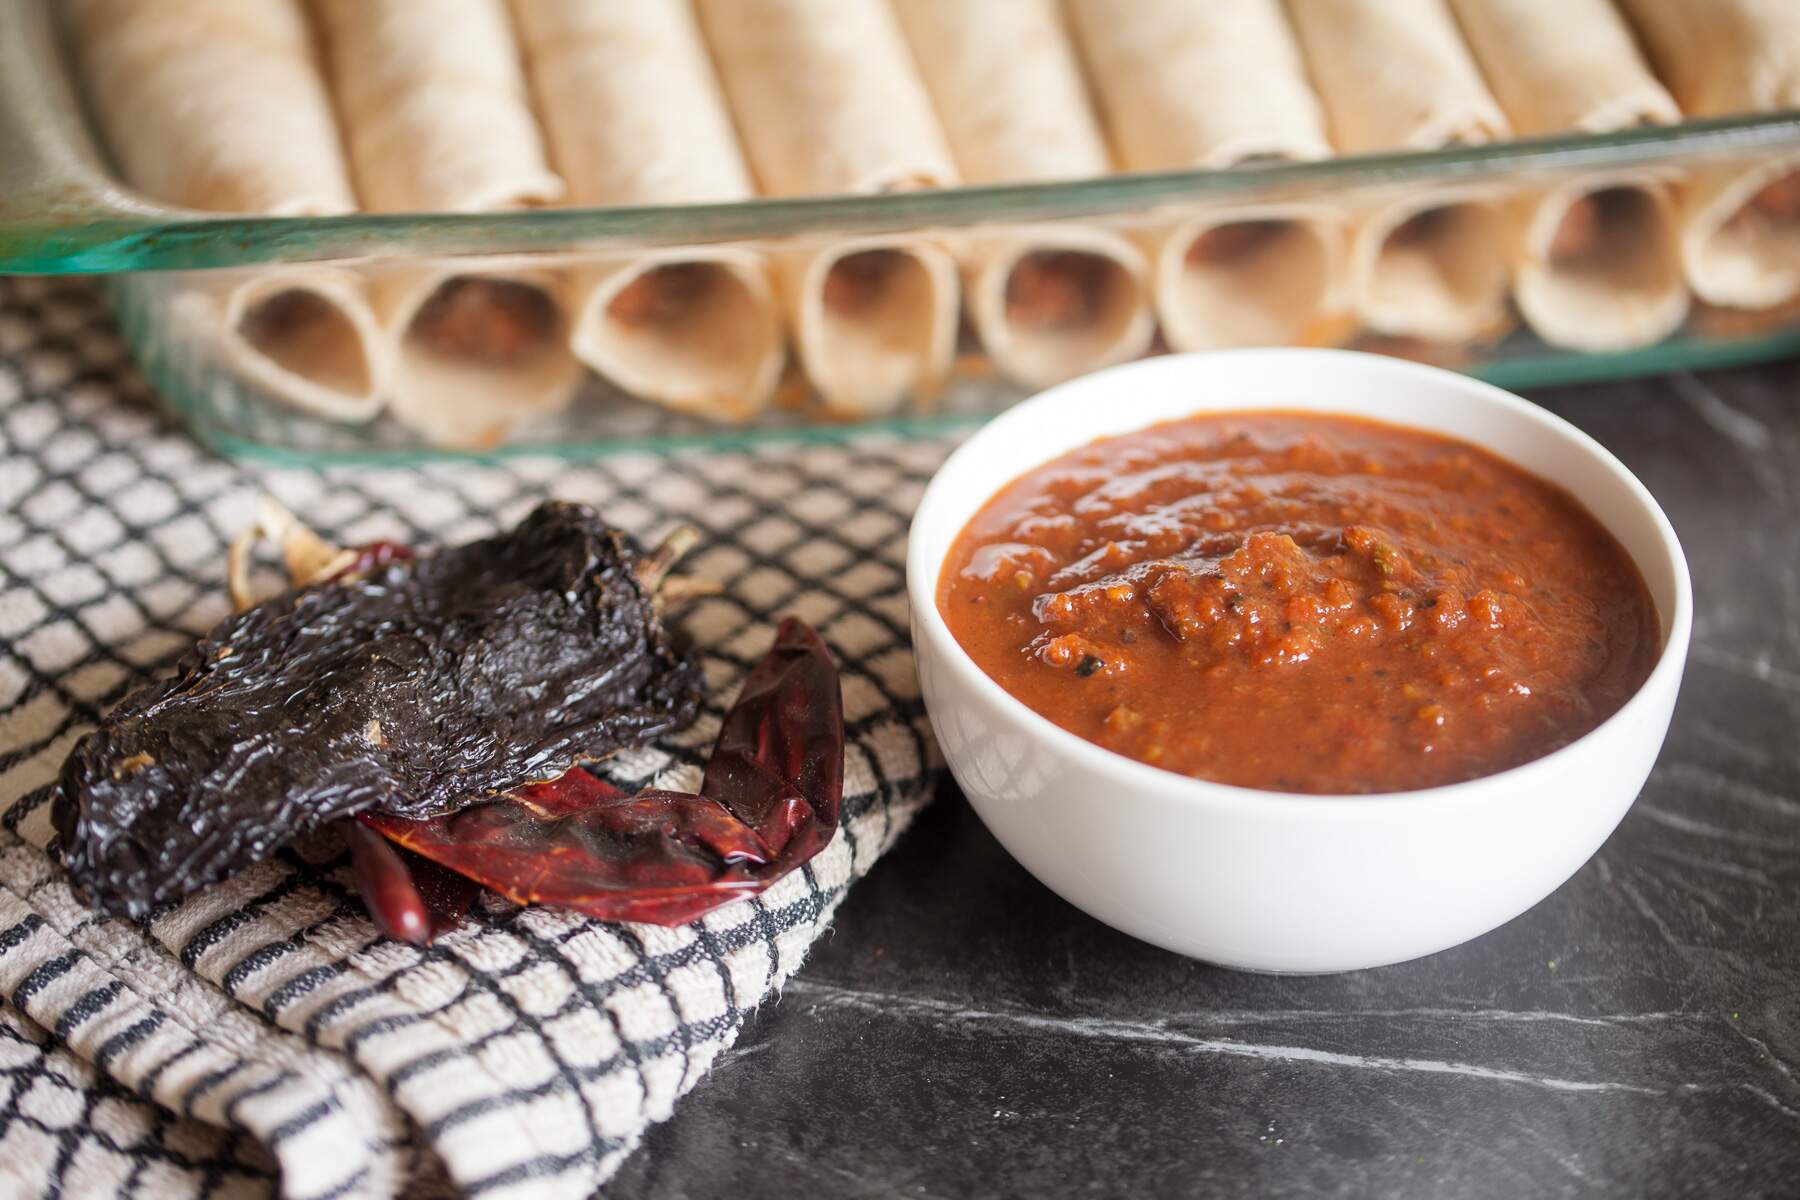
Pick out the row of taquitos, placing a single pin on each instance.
(832, 97)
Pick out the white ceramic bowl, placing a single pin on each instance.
(1270, 881)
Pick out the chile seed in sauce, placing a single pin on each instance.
(1301, 603)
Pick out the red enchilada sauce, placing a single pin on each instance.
(1301, 603)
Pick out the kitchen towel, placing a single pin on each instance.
(261, 1036)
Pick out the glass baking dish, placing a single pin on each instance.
(62, 212)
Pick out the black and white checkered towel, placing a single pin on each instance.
(262, 1036)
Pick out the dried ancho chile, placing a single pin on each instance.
(415, 686)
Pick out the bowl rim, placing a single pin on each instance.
(929, 625)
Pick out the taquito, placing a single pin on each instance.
(634, 116)
(1740, 223)
(438, 119)
(480, 348)
(219, 105)
(826, 97)
(1595, 261)
(308, 334)
(1183, 85)
(875, 320)
(1048, 301)
(434, 105)
(827, 100)
(1396, 75)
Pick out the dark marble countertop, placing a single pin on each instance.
(964, 1032)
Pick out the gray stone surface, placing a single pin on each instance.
(966, 1033)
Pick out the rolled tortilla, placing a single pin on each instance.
(479, 348)
(212, 104)
(1595, 263)
(825, 96)
(1048, 301)
(1740, 222)
(308, 334)
(1051, 302)
(1395, 75)
(634, 116)
(1184, 85)
(1007, 88)
(219, 105)
(434, 105)
(437, 117)
(1566, 67)
(874, 320)
(1723, 56)
(1740, 233)
(1598, 267)
(697, 330)
(1262, 277)
(827, 100)
(1433, 266)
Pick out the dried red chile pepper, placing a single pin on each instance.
(415, 686)
(410, 898)
(769, 802)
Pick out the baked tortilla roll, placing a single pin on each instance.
(434, 105)
(1270, 277)
(1434, 267)
(309, 335)
(1056, 301)
(1598, 267)
(696, 330)
(1740, 223)
(1571, 66)
(212, 104)
(827, 101)
(1184, 85)
(634, 116)
(1596, 264)
(479, 349)
(874, 320)
(1740, 233)
(826, 97)
(219, 105)
(1395, 75)
(438, 119)
(1048, 302)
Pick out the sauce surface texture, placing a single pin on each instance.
(1301, 603)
